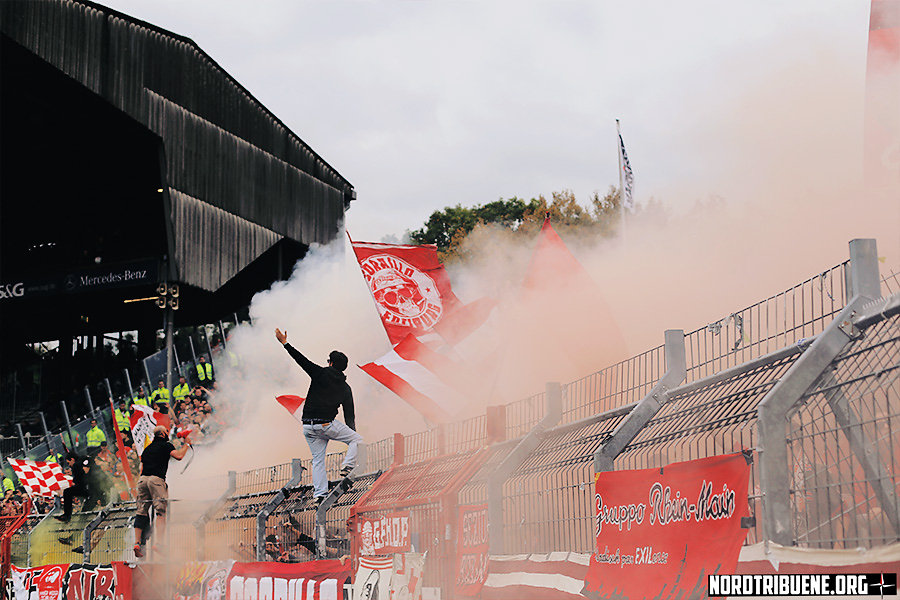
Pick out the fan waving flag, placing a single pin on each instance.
(39, 477)
(143, 419)
(293, 404)
(429, 381)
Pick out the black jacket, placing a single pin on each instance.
(327, 390)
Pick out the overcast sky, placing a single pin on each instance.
(422, 105)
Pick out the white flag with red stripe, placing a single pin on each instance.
(432, 383)
(40, 478)
(143, 419)
(293, 404)
(554, 576)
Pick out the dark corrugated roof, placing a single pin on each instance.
(238, 179)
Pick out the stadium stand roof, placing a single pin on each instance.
(130, 157)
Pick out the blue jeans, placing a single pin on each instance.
(317, 437)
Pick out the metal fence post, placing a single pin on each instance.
(68, 427)
(128, 383)
(804, 373)
(553, 396)
(22, 440)
(87, 395)
(271, 505)
(649, 405)
(91, 527)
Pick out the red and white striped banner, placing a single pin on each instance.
(554, 576)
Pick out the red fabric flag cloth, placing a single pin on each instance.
(412, 292)
(661, 532)
(40, 478)
(293, 404)
(409, 285)
(562, 309)
(432, 383)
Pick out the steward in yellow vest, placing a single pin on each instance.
(123, 417)
(161, 394)
(181, 390)
(94, 436)
(204, 371)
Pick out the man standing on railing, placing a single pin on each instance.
(152, 488)
(327, 390)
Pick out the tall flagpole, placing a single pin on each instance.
(621, 176)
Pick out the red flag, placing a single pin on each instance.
(432, 383)
(413, 295)
(409, 285)
(293, 404)
(120, 453)
(39, 477)
(883, 95)
(564, 310)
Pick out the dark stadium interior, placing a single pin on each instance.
(80, 192)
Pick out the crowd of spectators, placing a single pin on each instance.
(193, 413)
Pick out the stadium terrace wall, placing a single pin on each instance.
(830, 400)
(236, 177)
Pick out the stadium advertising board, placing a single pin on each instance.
(323, 579)
(385, 535)
(70, 582)
(667, 529)
(471, 549)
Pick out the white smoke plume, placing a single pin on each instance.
(782, 150)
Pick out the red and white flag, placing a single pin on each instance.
(409, 285)
(429, 381)
(293, 404)
(143, 419)
(554, 576)
(412, 292)
(39, 477)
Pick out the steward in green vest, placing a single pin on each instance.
(8, 484)
(161, 394)
(53, 457)
(181, 390)
(204, 371)
(141, 398)
(123, 418)
(94, 436)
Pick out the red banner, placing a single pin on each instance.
(409, 285)
(285, 581)
(386, 535)
(660, 532)
(471, 549)
(65, 582)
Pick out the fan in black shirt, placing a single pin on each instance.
(151, 487)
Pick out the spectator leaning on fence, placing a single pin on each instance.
(204, 371)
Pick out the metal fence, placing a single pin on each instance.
(840, 430)
(844, 447)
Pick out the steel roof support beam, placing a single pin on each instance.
(799, 378)
(514, 460)
(646, 409)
